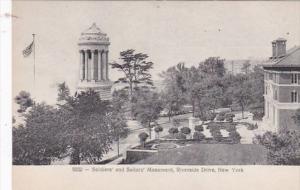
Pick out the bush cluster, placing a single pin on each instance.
(180, 136)
(252, 126)
(198, 135)
(199, 128)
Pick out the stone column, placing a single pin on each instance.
(103, 66)
(86, 64)
(92, 65)
(99, 66)
(106, 55)
(80, 65)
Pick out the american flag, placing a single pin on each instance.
(27, 51)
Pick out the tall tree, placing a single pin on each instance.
(135, 69)
(147, 109)
(87, 129)
(173, 95)
(241, 92)
(119, 128)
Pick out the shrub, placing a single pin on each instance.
(229, 117)
(199, 128)
(252, 126)
(176, 122)
(230, 127)
(158, 129)
(216, 135)
(221, 116)
(203, 117)
(235, 136)
(180, 136)
(173, 130)
(211, 116)
(198, 135)
(185, 130)
(143, 137)
(258, 115)
(283, 148)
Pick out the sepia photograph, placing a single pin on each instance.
(190, 83)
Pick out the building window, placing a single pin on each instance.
(294, 96)
(294, 78)
(275, 94)
(266, 90)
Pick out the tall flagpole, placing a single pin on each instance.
(33, 57)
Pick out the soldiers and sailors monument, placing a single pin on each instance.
(93, 65)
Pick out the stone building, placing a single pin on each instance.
(282, 86)
(93, 63)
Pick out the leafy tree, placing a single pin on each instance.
(38, 143)
(283, 148)
(143, 137)
(118, 126)
(135, 69)
(242, 93)
(213, 66)
(24, 100)
(158, 130)
(175, 89)
(87, 129)
(147, 109)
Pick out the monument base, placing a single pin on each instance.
(102, 87)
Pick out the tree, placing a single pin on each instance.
(63, 92)
(88, 128)
(135, 69)
(24, 100)
(175, 89)
(118, 126)
(157, 130)
(143, 137)
(147, 109)
(283, 148)
(246, 67)
(213, 66)
(242, 92)
(38, 142)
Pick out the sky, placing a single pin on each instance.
(169, 32)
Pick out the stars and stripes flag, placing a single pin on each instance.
(28, 50)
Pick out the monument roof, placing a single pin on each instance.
(93, 35)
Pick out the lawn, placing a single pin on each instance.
(210, 154)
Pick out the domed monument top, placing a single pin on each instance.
(93, 35)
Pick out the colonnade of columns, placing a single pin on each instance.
(93, 65)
